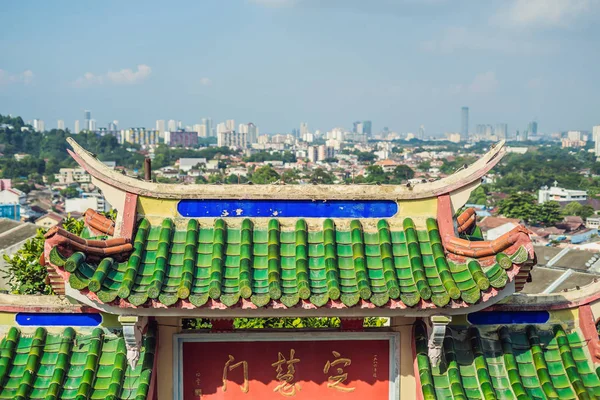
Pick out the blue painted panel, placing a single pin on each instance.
(10, 211)
(508, 317)
(288, 208)
(58, 319)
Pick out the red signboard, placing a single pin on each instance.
(303, 369)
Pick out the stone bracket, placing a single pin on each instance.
(133, 328)
(436, 327)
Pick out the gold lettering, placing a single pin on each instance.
(287, 386)
(337, 381)
(230, 367)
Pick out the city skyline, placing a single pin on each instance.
(400, 64)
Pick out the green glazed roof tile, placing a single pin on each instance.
(507, 363)
(60, 360)
(172, 262)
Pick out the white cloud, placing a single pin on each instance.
(205, 81)
(482, 83)
(539, 13)
(124, 76)
(25, 77)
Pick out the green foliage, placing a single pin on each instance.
(424, 166)
(450, 167)
(365, 156)
(523, 206)
(574, 208)
(69, 192)
(265, 175)
(480, 195)
(519, 205)
(548, 213)
(75, 225)
(322, 177)
(25, 274)
(262, 156)
(165, 156)
(283, 323)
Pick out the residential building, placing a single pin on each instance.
(465, 122)
(113, 126)
(303, 129)
(60, 124)
(67, 176)
(38, 125)
(160, 127)
(555, 193)
(596, 137)
(232, 139)
(141, 136)
(172, 125)
(252, 133)
(207, 122)
(454, 137)
(230, 124)
(367, 128)
(13, 196)
(91, 125)
(76, 128)
(187, 164)
(95, 201)
(49, 220)
(181, 139)
(87, 117)
(501, 131)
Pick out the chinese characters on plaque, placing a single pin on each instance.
(299, 370)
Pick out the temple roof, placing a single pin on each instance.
(193, 264)
(508, 362)
(45, 364)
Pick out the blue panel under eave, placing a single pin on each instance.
(508, 317)
(58, 319)
(288, 208)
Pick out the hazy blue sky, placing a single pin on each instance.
(400, 63)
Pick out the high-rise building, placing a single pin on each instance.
(139, 136)
(303, 129)
(160, 127)
(243, 128)
(596, 137)
(230, 124)
(252, 133)
(367, 128)
(38, 125)
(60, 124)
(172, 125)
(221, 127)
(87, 117)
(421, 135)
(232, 139)
(76, 128)
(91, 125)
(181, 138)
(179, 125)
(207, 122)
(464, 130)
(532, 128)
(113, 126)
(501, 131)
(357, 127)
